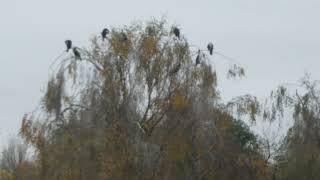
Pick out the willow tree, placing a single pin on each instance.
(298, 156)
(137, 106)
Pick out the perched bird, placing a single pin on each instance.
(175, 69)
(150, 31)
(176, 32)
(210, 48)
(68, 44)
(104, 33)
(76, 53)
(198, 58)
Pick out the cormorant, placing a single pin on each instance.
(176, 32)
(104, 33)
(76, 53)
(210, 48)
(150, 30)
(68, 44)
(198, 58)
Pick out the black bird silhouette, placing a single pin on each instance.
(68, 44)
(76, 53)
(176, 32)
(198, 58)
(104, 33)
(151, 30)
(175, 69)
(210, 48)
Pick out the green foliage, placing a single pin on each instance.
(242, 135)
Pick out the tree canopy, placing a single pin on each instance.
(135, 104)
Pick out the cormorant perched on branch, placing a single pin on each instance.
(175, 69)
(76, 53)
(198, 58)
(210, 48)
(150, 31)
(68, 44)
(104, 33)
(176, 32)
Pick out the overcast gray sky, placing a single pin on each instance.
(277, 40)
